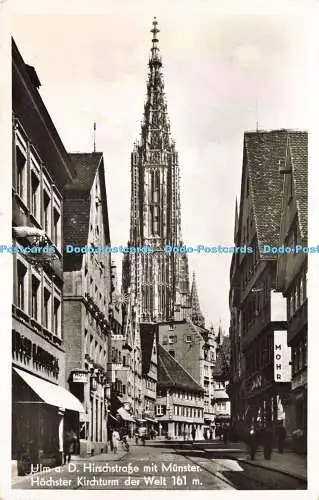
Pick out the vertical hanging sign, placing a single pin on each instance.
(282, 357)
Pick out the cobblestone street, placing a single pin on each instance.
(166, 466)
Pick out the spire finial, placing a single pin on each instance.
(94, 137)
(155, 30)
(155, 50)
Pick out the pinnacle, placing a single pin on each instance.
(197, 316)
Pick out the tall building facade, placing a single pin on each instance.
(41, 405)
(261, 375)
(87, 298)
(180, 400)
(159, 280)
(292, 274)
(194, 349)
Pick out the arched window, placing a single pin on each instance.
(155, 186)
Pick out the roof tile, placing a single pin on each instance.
(265, 151)
(171, 374)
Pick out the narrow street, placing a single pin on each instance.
(162, 466)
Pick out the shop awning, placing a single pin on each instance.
(114, 418)
(125, 415)
(51, 394)
(151, 419)
(221, 395)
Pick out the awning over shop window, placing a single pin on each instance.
(51, 394)
(125, 415)
(151, 419)
(114, 418)
(221, 395)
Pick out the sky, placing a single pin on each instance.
(224, 74)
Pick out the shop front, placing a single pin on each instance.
(150, 423)
(90, 387)
(125, 421)
(300, 419)
(39, 412)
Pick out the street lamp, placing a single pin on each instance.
(93, 380)
(107, 391)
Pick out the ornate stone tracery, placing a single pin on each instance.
(160, 280)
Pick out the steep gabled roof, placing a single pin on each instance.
(264, 152)
(298, 147)
(77, 203)
(170, 374)
(85, 165)
(148, 333)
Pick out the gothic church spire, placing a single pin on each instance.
(196, 314)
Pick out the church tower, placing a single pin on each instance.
(158, 280)
(196, 313)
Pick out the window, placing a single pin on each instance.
(188, 338)
(291, 300)
(35, 287)
(290, 188)
(91, 346)
(46, 308)
(172, 339)
(56, 228)
(35, 206)
(46, 213)
(56, 316)
(171, 327)
(160, 410)
(305, 285)
(21, 271)
(86, 350)
(21, 172)
(297, 295)
(294, 233)
(305, 352)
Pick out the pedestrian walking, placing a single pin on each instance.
(281, 437)
(268, 442)
(252, 441)
(225, 434)
(109, 438)
(115, 440)
(69, 444)
(193, 433)
(125, 442)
